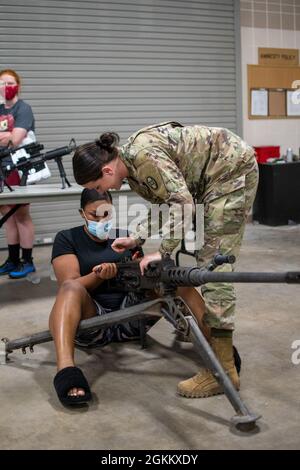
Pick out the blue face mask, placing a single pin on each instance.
(99, 229)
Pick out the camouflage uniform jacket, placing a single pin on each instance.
(173, 164)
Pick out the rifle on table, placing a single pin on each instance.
(164, 276)
(32, 159)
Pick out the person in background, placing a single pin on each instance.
(16, 124)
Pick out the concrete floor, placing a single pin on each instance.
(135, 404)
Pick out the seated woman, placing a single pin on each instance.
(83, 293)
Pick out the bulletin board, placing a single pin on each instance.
(271, 87)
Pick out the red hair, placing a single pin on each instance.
(12, 73)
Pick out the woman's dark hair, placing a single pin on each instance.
(89, 158)
(91, 195)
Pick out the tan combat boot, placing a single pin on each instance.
(204, 384)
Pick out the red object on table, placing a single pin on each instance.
(265, 152)
(13, 179)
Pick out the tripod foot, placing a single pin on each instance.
(245, 423)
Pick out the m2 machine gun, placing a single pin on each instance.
(30, 158)
(164, 277)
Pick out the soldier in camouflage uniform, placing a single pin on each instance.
(175, 164)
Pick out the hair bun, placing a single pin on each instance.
(108, 141)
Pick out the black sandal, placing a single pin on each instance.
(65, 380)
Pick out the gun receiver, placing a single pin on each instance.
(167, 276)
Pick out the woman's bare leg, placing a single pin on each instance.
(25, 226)
(11, 229)
(73, 304)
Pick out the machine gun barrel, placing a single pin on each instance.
(180, 276)
(60, 152)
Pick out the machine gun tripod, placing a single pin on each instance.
(164, 277)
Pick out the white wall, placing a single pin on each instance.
(283, 132)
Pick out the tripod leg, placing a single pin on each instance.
(245, 420)
(135, 312)
(8, 187)
(68, 182)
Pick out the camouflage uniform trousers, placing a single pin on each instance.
(224, 225)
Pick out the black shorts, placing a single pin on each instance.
(128, 331)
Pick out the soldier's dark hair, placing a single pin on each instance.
(91, 195)
(89, 158)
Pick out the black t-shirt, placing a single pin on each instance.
(89, 253)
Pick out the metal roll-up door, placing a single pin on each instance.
(93, 66)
